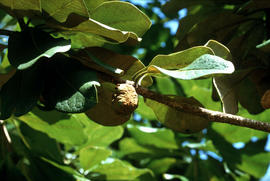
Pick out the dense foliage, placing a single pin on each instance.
(64, 117)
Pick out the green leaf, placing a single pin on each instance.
(70, 87)
(20, 94)
(249, 96)
(256, 159)
(22, 4)
(62, 127)
(92, 5)
(219, 49)
(204, 66)
(41, 144)
(144, 110)
(129, 146)
(98, 31)
(27, 47)
(178, 120)
(210, 169)
(65, 170)
(161, 166)
(225, 85)
(60, 10)
(180, 59)
(160, 138)
(97, 134)
(127, 17)
(251, 159)
(92, 156)
(113, 169)
(235, 134)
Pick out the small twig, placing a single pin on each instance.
(6, 32)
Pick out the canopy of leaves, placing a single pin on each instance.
(59, 61)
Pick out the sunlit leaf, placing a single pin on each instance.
(97, 134)
(180, 59)
(62, 127)
(205, 65)
(91, 156)
(60, 10)
(22, 4)
(160, 138)
(113, 169)
(127, 17)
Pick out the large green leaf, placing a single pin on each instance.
(20, 94)
(27, 47)
(92, 156)
(251, 159)
(113, 169)
(92, 5)
(123, 16)
(225, 84)
(58, 168)
(144, 110)
(98, 32)
(64, 128)
(178, 120)
(160, 166)
(70, 87)
(204, 66)
(160, 138)
(60, 10)
(97, 134)
(180, 59)
(249, 96)
(235, 134)
(129, 146)
(22, 4)
(39, 143)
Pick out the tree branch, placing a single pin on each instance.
(213, 116)
(6, 32)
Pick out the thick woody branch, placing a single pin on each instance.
(213, 116)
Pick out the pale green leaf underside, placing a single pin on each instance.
(180, 59)
(205, 65)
